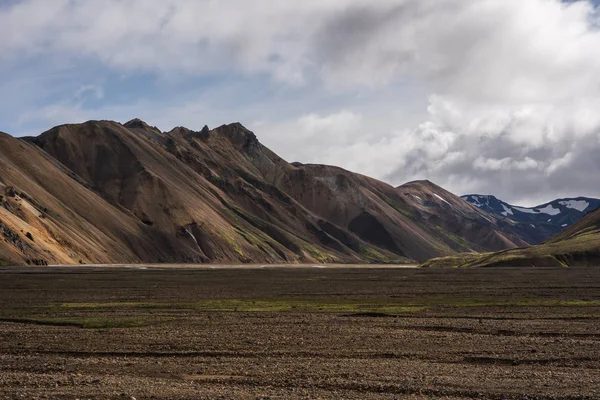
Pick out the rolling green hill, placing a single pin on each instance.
(577, 246)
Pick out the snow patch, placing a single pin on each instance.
(549, 210)
(526, 210)
(507, 211)
(579, 205)
(546, 210)
(189, 231)
(441, 198)
(477, 201)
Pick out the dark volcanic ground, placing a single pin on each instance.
(299, 333)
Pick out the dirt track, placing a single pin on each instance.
(299, 333)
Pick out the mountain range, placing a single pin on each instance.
(547, 219)
(578, 245)
(106, 192)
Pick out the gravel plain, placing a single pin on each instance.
(299, 333)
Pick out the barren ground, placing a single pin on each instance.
(303, 333)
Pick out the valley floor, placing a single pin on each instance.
(287, 333)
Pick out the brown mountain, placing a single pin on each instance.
(104, 192)
(460, 220)
(47, 214)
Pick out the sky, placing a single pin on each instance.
(494, 97)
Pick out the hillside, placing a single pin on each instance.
(48, 215)
(116, 193)
(578, 245)
(214, 212)
(457, 219)
(540, 223)
(224, 183)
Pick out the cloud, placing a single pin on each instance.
(507, 91)
(70, 109)
(531, 152)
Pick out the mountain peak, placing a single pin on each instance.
(475, 198)
(238, 135)
(490, 196)
(421, 184)
(548, 219)
(136, 123)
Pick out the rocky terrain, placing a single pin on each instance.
(105, 192)
(299, 333)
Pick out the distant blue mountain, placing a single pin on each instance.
(547, 219)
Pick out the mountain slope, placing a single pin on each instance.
(456, 218)
(289, 197)
(547, 219)
(135, 170)
(578, 245)
(48, 216)
(217, 184)
(131, 193)
(371, 210)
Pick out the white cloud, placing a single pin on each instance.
(513, 86)
(506, 164)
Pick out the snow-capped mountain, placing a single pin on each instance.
(548, 219)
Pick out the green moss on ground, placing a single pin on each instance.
(332, 305)
(112, 315)
(258, 241)
(233, 245)
(374, 255)
(90, 322)
(263, 305)
(457, 261)
(455, 238)
(396, 206)
(317, 254)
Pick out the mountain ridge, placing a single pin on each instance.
(548, 219)
(577, 246)
(131, 193)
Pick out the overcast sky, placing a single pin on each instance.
(480, 96)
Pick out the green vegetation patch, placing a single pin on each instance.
(125, 304)
(233, 245)
(89, 322)
(372, 254)
(329, 306)
(266, 305)
(477, 302)
(384, 305)
(456, 261)
(318, 255)
(579, 250)
(396, 206)
(455, 238)
(111, 315)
